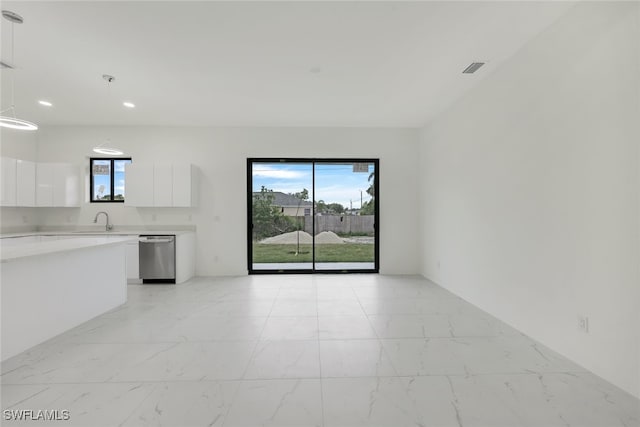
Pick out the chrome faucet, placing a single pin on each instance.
(108, 227)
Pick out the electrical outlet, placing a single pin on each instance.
(583, 324)
(25, 219)
(154, 217)
(438, 265)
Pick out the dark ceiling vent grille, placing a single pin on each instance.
(473, 67)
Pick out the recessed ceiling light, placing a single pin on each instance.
(12, 17)
(45, 103)
(473, 67)
(129, 104)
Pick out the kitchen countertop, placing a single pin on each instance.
(80, 233)
(56, 246)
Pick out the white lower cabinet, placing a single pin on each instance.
(185, 256)
(133, 262)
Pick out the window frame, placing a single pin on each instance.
(111, 178)
(251, 161)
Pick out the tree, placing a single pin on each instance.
(368, 208)
(301, 196)
(321, 207)
(268, 219)
(329, 208)
(335, 208)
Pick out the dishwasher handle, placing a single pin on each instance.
(146, 239)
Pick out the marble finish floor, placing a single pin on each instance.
(305, 350)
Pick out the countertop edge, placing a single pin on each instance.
(30, 250)
(97, 233)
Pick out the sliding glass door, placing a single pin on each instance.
(312, 215)
(345, 216)
(281, 195)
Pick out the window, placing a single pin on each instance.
(281, 240)
(107, 179)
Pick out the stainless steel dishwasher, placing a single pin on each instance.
(157, 258)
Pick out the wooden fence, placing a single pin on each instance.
(345, 224)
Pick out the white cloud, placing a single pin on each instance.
(269, 172)
(345, 196)
(119, 166)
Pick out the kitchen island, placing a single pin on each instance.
(185, 245)
(50, 286)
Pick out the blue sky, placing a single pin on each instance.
(104, 180)
(335, 183)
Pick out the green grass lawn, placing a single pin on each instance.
(348, 252)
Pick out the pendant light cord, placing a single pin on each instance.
(12, 107)
(13, 41)
(8, 121)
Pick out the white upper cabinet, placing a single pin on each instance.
(185, 185)
(30, 184)
(57, 185)
(8, 183)
(26, 183)
(160, 185)
(44, 184)
(66, 185)
(138, 185)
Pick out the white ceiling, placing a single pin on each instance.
(257, 63)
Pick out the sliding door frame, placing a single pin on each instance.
(313, 161)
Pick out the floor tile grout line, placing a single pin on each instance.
(377, 335)
(255, 347)
(137, 407)
(322, 415)
(240, 380)
(403, 385)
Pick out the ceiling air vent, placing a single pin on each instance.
(5, 65)
(473, 67)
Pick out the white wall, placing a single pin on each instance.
(220, 154)
(18, 145)
(530, 191)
